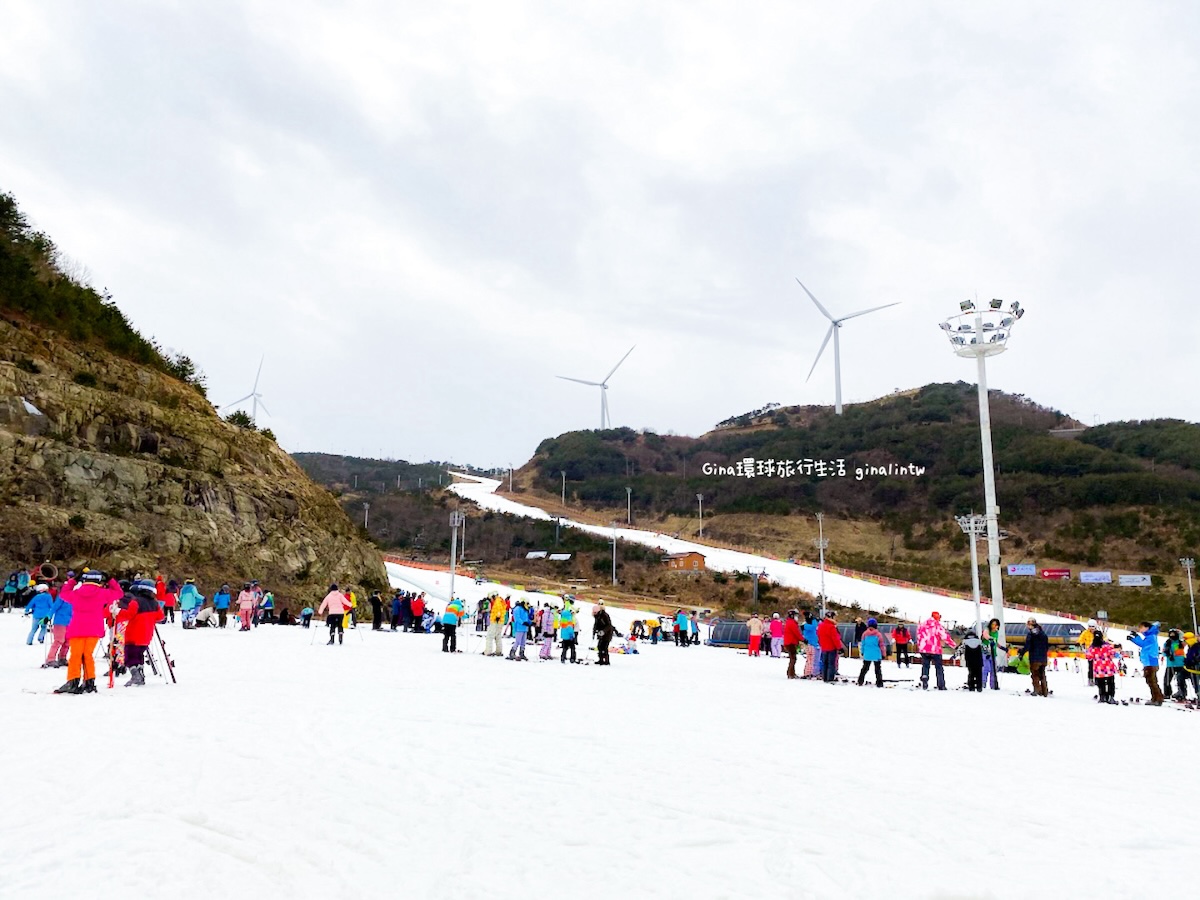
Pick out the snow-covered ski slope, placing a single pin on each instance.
(914, 605)
(281, 767)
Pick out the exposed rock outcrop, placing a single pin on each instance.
(105, 462)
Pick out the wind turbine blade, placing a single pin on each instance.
(261, 360)
(263, 406)
(825, 342)
(618, 365)
(863, 312)
(579, 381)
(236, 402)
(823, 310)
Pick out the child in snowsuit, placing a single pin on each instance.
(1104, 667)
(972, 651)
(40, 608)
(873, 648)
(141, 612)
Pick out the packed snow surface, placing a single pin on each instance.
(282, 767)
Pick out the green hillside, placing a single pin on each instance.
(1118, 497)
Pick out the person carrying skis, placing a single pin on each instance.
(775, 627)
(791, 641)
(1146, 638)
(520, 630)
(830, 641)
(140, 611)
(755, 628)
(602, 628)
(873, 648)
(1103, 666)
(1037, 645)
(39, 608)
(334, 607)
(931, 638)
(565, 622)
(902, 638)
(90, 599)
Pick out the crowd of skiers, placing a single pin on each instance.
(498, 617)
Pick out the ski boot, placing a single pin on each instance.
(137, 677)
(89, 686)
(71, 687)
(329, 643)
(340, 636)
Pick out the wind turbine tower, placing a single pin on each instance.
(835, 326)
(253, 396)
(605, 422)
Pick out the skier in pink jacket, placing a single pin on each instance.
(247, 601)
(931, 637)
(334, 607)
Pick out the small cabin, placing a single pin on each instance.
(684, 562)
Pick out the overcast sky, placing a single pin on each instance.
(423, 212)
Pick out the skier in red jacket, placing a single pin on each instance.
(791, 640)
(141, 610)
(831, 645)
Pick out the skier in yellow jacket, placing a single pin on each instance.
(494, 645)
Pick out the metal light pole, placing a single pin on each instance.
(366, 512)
(510, 478)
(821, 543)
(982, 333)
(628, 506)
(1188, 564)
(457, 519)
(700, 500)
(973, 526)
(557, 523)
(564, 489)
(614, 543)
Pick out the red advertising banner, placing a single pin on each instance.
(1055, 574)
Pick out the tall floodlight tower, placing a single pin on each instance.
(980, 333)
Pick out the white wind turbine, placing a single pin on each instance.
(605, 422)
(835, 326)
(254, 396)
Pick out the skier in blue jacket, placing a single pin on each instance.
(812, 648)
(221, 604)
(41, 607)
(681, 623)
(190, 600)
(872, 647)
(1147, 639)
(520, 629)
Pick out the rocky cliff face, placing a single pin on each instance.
(110, 464)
